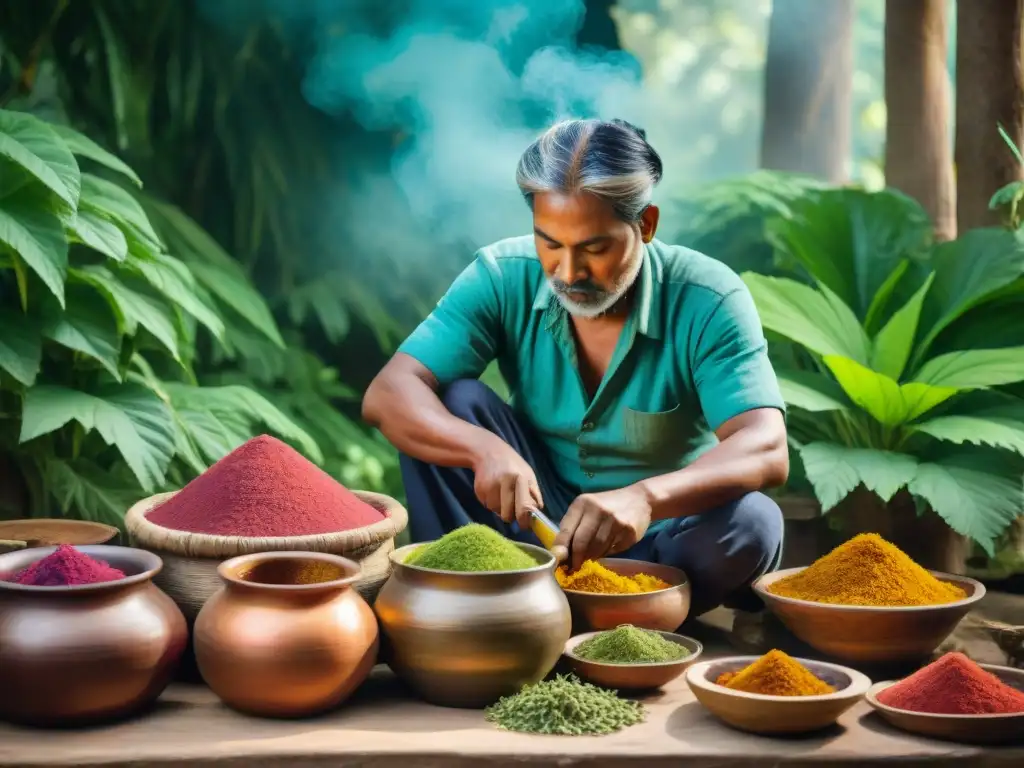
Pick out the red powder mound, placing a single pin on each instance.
(953, 685)
(67, 567)
(264, 488)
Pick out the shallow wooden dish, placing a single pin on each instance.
(631, 677)
(866, 633)
(967, 729)
(755, 713)
(49, 532)
(662, 611)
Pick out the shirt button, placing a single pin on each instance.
(587, 426)
(589, 474)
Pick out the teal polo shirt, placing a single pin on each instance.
(691, 356)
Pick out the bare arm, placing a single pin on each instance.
(752, 455)
(402, 402)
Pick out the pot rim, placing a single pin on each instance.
(229, 571)
(150, 562)
(397, 559)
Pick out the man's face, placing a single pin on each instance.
(590, 256)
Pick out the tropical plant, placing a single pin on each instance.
(98, 399)
(905, 348)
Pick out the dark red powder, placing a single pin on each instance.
(67, 567)
(953, 685)
(264, 488)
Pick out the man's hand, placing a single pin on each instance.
(506, 484)
(600, 524)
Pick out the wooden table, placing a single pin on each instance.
(384, 728)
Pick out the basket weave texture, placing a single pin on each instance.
(189, 575)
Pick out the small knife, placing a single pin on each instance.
(545, 530)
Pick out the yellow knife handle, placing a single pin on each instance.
(546, 531)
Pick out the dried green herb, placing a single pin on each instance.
(565, 706)
(630, 645)
(472, 547)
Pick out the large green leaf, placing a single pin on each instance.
(978, 493)
(810, 391)
(132, 307)
(128, 416)
(87, 492)
(116, 204)
(888, 402)
(173, 279)
(818, 320)
(981, 418)
(32, 144)
(20, 346)
(88, 326)
(100, 234)
(974, 368)
(83, 146)
(36, 233)
(968, 271)
(852, 240)
(891, 348)
(239, 409)
(835, 471)
(213, 267)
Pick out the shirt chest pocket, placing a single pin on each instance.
(657, 435)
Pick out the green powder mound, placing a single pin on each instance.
(565, 706)
(630, 645)
(472, 547)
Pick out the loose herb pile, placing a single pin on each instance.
(630, 645)
(472, 547)
(565, 706)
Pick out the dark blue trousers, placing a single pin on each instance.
(721, 550)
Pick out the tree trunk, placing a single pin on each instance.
(599, 28)
(989, 93)
(918, 151)
(808, 88)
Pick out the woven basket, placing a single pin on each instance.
(189, 574)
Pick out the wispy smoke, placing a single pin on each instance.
(466, 84)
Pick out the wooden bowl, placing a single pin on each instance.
(756, 713)
(49, 532)
(631, 677)
(661, 611)
(967, 729)
(870, 634)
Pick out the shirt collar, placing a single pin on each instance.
(646, 308)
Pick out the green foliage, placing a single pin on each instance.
(884, 392)
(94, 303)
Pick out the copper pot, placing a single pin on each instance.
(70, 655)
(467, 639)
(268, 644)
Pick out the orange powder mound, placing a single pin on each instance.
(594, 577)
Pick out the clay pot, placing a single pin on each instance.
(270, 645)
(467, 639)
(71, 655)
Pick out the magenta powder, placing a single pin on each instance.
(66, 567)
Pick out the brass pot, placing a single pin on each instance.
(270, 645)
(467, 639)
(70, 655)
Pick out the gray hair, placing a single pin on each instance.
(609, 159)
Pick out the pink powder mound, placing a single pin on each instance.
(264, 488)
(67, 567)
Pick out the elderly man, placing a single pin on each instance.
(645, 416)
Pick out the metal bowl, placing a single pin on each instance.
(467, 639)
(967, 729)
(661, 611)
(757, 713)
(866, 633)
(78, 654)
(631, 677)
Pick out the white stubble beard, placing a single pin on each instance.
(625, 282)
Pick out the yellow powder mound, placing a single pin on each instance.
(776, 674)
(594, 577)
(867, 570)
